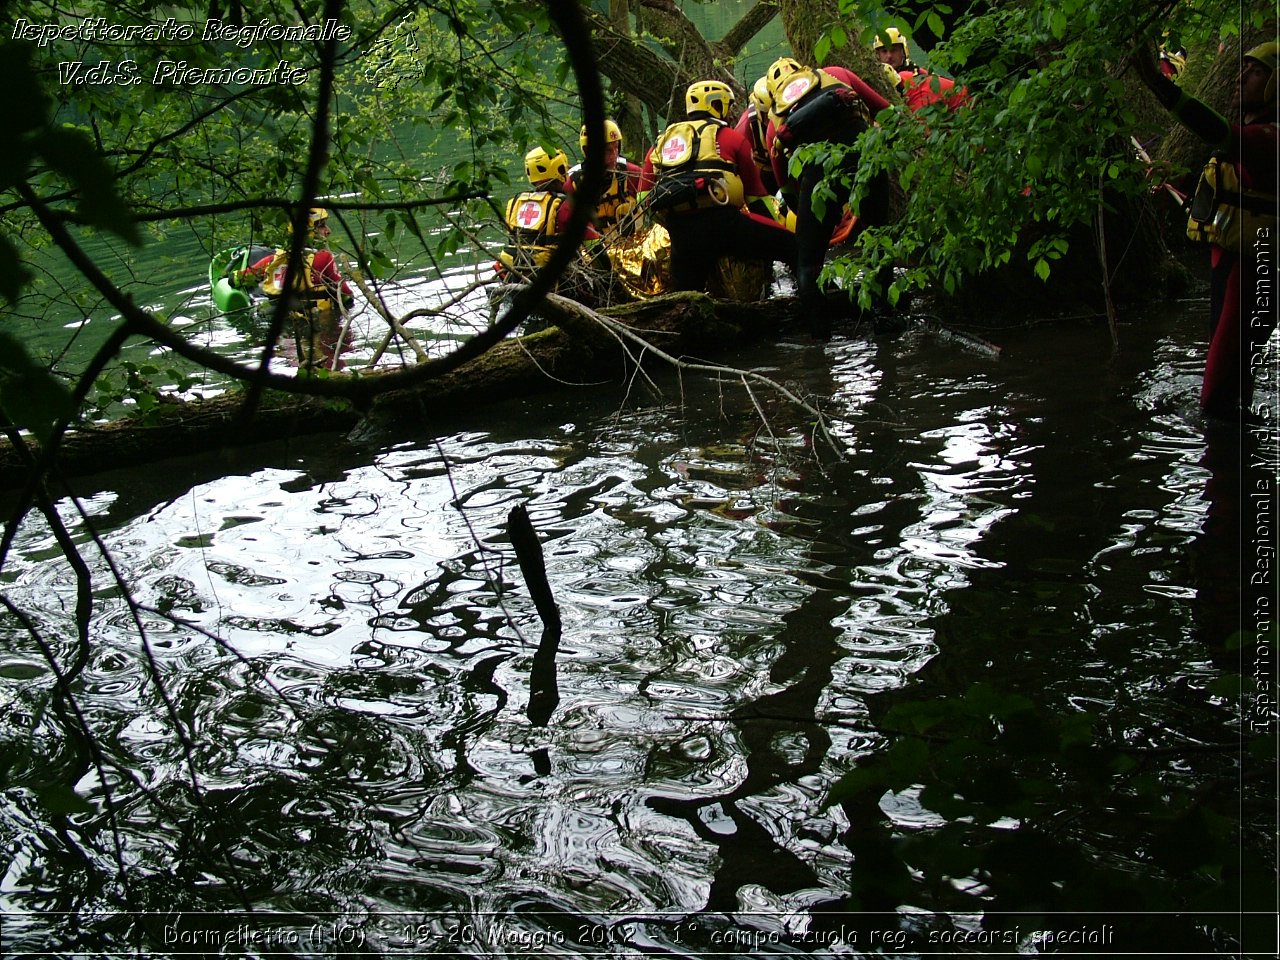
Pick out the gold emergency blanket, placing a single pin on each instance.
(642, 261)
(642, 264)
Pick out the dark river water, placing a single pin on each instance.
(324, 720)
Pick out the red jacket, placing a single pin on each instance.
(875, 103)
(624, 169)
(921, 88)
(566, 211)
(324, 271)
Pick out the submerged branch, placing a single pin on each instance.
(397, 328)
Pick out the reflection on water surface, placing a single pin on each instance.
(344, 638)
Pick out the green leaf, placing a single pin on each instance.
(907, 759)
(822, 48)
(1042, 268)
(31, 397)
(1076, 730)
(1122, 763)
(72, 154)
(380, 265)
(60, 798)
(1228, 686)
(855, 783)
(15, 161)
(24, 106)
(13, 275)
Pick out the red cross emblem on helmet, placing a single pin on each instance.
(675, 148)
(529, 213)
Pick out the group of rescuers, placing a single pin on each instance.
(712, 178)
(712, 184)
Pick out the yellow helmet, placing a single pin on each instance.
(891, 36)
(761, 98)
(315, 217)
(779, 70)
(1267, 54)
(540, 165)
(709, 96)
(612, 134)
(777, 76)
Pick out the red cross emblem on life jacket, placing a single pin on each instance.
(796, 89)
(529, 213)
(675, 148)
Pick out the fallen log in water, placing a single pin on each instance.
(577, 351)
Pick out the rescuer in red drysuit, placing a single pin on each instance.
(1234, 209)
(701, 182)
(831, 105)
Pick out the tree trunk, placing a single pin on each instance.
(636, 70)
(628, 110)
(576, 352)
(805, 21)
(752, 22)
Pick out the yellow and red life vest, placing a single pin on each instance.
(277, 282)
(531, 220)
(690, 173)
(617, 200)
(812, 105)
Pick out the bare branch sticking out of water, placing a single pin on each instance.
(532, 564)
(622, 331)
(397, 328)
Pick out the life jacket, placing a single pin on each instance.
(531, 221)
(814, 106)
(303, 287)
(1172, 62)
(616, 201)
(1224, 213)
(312, 308)
(691, 174)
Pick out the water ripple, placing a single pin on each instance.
(393, 734)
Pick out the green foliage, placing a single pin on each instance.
(57, 156)
(134, 387)
(31, 398)
(1044, 142)
(472, 80)
(434, 68)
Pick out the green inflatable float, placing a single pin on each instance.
(227, 298)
